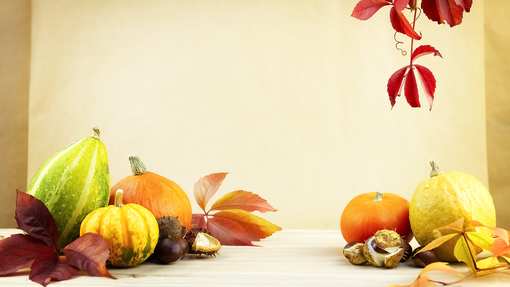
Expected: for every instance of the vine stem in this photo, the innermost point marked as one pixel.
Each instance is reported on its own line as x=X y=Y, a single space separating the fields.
x=470 y=251
x=412 y=40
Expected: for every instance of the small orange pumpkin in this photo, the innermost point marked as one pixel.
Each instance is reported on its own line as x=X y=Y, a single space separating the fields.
x=158 y=194
x=367 y=213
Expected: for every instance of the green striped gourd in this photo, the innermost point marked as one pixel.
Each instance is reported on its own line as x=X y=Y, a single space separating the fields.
x=72 y=183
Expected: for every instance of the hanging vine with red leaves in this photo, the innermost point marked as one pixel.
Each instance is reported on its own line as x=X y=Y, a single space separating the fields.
x=405 y=79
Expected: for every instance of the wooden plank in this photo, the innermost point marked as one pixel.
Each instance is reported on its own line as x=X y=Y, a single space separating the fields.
x=288 y=258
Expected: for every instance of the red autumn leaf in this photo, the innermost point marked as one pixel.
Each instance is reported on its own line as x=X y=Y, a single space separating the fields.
x=400 y=4
x=424 y=50
x=367 y=8
x=257 y=227
x=18 y=252
x=244 y=200
x=198 y=220
x=37 y=249
x=428 y=82
x=228 y=232
x=445 y=10
x=34 y=218
x=48 y=266
x=206 y=187
x=400 y=23
x=395 y=84
x=405 y=78
x=411 y=89
x=89 y=252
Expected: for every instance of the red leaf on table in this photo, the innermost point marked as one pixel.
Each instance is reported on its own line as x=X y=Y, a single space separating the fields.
x=367 y=8
x=198 y=220
x=34 y=218
x=89 y=252
x=257 y=227
x=47 y=266
x=206 y=187
x=244 y=200
x=228 y=232
x=18 y=252
x=400 y=23
x=445 y=10
x=395 y=84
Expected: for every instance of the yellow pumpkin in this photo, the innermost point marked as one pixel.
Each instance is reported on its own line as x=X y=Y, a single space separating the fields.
x=131 y=231
x=444 y=198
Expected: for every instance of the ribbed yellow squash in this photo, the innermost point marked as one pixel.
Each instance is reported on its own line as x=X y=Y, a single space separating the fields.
x=131 y=231
x=443 y=199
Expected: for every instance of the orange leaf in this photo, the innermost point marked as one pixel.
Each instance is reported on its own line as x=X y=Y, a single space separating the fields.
x=228 y=232
x=257 y=227
x=500 y=247
x=440 y=266
x=206 y=187
x=244 y=200
x=457 y=225
x=438 y=241
x=500 y=232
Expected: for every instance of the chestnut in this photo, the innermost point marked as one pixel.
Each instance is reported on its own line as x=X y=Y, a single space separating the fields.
x=408 y=252
x=353 y=251
x=170 y=250
x=424 y=258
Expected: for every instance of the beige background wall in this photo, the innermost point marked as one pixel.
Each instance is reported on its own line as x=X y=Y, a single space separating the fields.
x=14 y=83
x=497 y=82
x=287 y=96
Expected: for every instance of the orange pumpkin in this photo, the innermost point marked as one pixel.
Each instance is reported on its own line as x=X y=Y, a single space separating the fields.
x=367 y=213
x=158 y=194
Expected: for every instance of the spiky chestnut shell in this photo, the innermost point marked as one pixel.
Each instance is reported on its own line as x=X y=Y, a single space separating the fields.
x=384 y=249
x=170 y=227
x=201 y=242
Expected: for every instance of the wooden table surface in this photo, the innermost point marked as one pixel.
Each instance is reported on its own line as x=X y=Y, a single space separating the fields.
x=288 y=258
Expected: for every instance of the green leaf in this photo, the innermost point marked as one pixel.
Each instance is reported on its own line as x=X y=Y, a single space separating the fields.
x=481 y=240
x=464 y=251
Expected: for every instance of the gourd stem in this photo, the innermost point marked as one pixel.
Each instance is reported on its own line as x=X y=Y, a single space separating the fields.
x=137 y=166
x=435 y=169
x=378 y=196
x=119 y=194
x=96 y=132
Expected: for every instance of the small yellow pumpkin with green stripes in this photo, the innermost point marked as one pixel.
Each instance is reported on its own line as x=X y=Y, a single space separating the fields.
x=131 y=231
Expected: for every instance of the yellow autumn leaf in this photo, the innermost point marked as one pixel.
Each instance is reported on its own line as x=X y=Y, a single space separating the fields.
x=438 y=242
x=457 y=225
x=486 y=263
x=464 y=251
x=481 y=240
x=257 y=227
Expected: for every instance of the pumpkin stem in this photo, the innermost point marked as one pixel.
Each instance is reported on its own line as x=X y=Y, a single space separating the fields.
x=96 y=132
x=435 y=169
x=137 y=166
x=378 y=196
x=119 y=194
